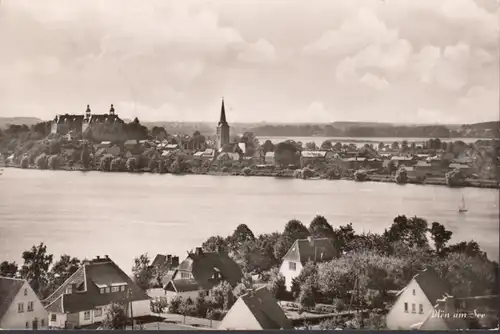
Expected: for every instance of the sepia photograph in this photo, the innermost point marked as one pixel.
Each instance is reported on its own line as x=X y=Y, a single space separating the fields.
x=249 y=165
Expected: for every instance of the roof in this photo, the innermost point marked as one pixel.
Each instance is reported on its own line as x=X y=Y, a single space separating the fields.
x=183 y=285
x=458 y=166
x=432 y=286
x=266 y=310
x=159 y=260
x=131 y=142
x=243 y=147
x=401 y=158
x=317 y=250
x=69 y=118
x=104 y=118
x=354 y=159
x=313 y=154
x=422 y=163
x=203 y=264
x=269 y=154
x=87 y=281
x=9 y=287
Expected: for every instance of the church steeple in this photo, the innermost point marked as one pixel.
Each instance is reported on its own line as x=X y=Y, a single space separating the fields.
x=222 y=114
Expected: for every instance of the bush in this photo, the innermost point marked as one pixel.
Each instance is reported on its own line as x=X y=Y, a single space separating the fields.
x=216 y=314
x=247 y=171
x=455 y=178
x=401 y=176
x=42 y=161
x=332 y=323
x=25 y=162
x=360 y=175
x=332 y=174
x=105 y=164
x=339 y=305
x=131 y=164
x=225 y=169
x=307 y=173
x=116 y=165
x=153 y=165
x=174 y=306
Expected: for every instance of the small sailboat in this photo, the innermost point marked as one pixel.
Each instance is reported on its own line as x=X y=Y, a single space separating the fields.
x=462 y=207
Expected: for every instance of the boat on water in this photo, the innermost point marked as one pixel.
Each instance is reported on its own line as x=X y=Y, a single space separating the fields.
x=462 y=208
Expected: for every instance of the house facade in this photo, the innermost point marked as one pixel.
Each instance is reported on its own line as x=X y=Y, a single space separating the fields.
x=20 y=307
x=256 y=310
x=84 y=298
x=200 y=272
x=416 y=301
x=303 y=251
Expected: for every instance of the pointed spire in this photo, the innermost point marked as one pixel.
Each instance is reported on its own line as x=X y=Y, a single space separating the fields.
x=222 y=113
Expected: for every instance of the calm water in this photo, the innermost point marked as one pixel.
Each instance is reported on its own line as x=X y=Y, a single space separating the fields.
x=125 y=215
x=360 y=141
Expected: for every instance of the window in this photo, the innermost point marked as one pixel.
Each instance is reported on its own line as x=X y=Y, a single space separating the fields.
x=185 y=275
x=25 y=292
x=69 y=290
x=115 y=289
x=406 y=307
x=107 y=290
x=414 y=292
x=43 y=323
x=413 y=310
x=30 y=306
x=420 y=308
x=101 y=290
x=292 y=265
x=98 y=312
x=27 y=324
x=53 y=317
x=122 y=288
x=20 y=308
x=86 y=315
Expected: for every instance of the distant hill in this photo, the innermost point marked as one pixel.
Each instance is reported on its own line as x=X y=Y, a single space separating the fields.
x=6 y=121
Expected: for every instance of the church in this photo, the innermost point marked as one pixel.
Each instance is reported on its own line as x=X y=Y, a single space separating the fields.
x=62 y=124
x=222 y=129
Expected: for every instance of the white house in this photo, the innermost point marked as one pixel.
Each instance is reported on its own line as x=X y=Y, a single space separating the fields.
x=20 y=307
x=256 y=310
x=201 y=271
x=303 y=251
x=416 y=301
x=83 y=299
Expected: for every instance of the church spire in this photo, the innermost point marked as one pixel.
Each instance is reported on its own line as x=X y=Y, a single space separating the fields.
x=222 y=114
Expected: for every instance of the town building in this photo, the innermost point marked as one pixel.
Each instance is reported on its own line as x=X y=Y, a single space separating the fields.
x=20 y=307
x=256 y=310
x=63 y=124
x=84 y=298
x=269 y=158
x=303 y=251
x=314 y=157
x=414 y=302
x=200 y=272
x=222 y=129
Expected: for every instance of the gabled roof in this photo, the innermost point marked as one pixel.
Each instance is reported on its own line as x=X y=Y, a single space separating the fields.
x=203 y=264
x=432 y=286
x=69 y=118
x=87 y=280
x=316 y=250
x=9 y=288
x=266 y=310
x=183 y=285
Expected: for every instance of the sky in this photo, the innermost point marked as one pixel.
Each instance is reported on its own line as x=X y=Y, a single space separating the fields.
x=410 y=61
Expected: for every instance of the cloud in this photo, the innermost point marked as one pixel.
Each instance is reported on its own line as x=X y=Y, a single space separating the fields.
x=260 y=52
x=374 y=82
x=175 y=59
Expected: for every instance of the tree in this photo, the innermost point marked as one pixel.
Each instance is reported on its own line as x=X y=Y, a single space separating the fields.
x=42 y=161
x=326 y=145
x=312 y=146
x=36 y=267
x=277 y=285
x=8 y=269
x=381 y=146
x=412 y=232
x=307 y=296
x=395 y=146
x=142 y=271
x=440 y=236
x=222 y=295
x=268 y=146
x=286 y=153
x=469 y=248
x=153 y=165
x=116 y=317
x=61 y=271
x=337 y=146
x=455 y=178
x=320 y=228
x=85 y=156
x=215 y=243
x=401 y=176
x=241 y=234
x=295 y=229
x=282 y=246
x=53 y=162
x=342 y=237
x=116 y=165
x=158 y=305
x=175 y=305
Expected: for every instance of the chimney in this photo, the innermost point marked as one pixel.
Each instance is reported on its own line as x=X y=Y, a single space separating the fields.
x=98 y=257
x=310 y=239
x=175 y=261
x=73 y=287
x=198 y=251
x=107 y=257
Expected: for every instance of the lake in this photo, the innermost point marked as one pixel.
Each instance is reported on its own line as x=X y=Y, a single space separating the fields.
x=361 y=141
x=124 y=215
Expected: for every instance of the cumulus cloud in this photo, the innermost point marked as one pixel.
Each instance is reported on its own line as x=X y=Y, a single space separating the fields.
x=173 y=60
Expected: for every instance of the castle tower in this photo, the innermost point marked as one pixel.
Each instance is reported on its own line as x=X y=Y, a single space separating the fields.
x=222 y=128
x=87 y=112
x=112 y=110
